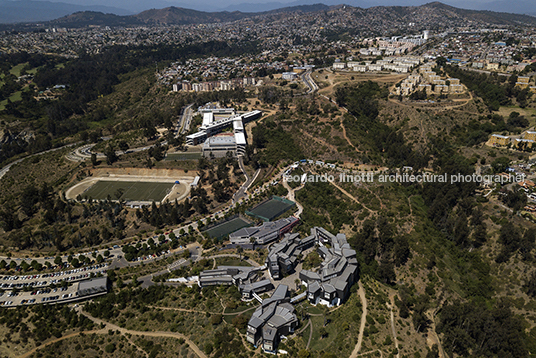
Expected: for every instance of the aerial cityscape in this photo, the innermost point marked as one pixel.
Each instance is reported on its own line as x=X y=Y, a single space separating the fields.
x=309 y=181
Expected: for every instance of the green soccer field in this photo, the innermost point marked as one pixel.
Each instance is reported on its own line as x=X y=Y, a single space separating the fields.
x=129 y=191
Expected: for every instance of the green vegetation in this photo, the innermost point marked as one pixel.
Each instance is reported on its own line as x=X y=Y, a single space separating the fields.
x=275 y=143
x=495 y=90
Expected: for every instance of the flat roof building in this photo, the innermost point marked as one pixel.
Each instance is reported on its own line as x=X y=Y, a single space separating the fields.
x=93 y=286
x=213 y=124
x=265 y=233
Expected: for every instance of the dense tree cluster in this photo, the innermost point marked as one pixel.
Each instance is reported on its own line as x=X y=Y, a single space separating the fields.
x=495 y=90
x=478 y=330
x=153 y=247
x=380 y=249
x=366 y=131
x=513 y=240
x=275 y=143
x=323 y=198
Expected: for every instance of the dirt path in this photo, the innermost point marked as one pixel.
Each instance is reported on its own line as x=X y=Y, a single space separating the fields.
x=124 y=331
x=395 y=339
x=441 y=108
x=363 y=298
x=310 y=334
x=292 y=197
x=342 y=123
x=179 y=309
x=370 y=352
x=433 y=338
x=29 y=353
x=346 y=136
x=350 y=196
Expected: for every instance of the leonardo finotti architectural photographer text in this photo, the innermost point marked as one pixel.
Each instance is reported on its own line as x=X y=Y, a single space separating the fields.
x=405 y=178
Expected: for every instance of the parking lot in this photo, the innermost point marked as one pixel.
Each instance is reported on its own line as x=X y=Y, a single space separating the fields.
x=42 y=280
x=43 y=295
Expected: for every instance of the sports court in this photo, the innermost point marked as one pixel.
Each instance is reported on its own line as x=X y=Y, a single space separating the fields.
x=224 y=229
x=271 y=209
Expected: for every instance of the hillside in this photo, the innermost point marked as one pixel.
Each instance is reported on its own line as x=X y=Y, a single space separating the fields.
x=430 y=15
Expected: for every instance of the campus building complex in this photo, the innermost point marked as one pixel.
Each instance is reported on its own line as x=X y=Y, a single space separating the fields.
x=274 y=317
x=283 y=256
x=265 y=233
x=228 y=275
x=330 y=285
x=214 y=122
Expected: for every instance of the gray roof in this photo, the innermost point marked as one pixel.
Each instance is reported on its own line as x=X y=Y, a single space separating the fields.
x=329 y=288
x=268 y=333
x=313 y=287
x=280 y=292
x=257 y=286
x=310 y=275
x=94 y=285
x=283 y=315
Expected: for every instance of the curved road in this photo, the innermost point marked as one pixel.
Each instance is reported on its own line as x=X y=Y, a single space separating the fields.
x=5 y=169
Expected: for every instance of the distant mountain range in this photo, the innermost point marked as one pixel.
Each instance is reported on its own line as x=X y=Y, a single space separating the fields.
x=182 y=16
x=527 y=7
x=36 y=11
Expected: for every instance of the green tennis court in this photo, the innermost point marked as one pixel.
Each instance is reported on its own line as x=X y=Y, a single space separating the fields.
x=227 y=227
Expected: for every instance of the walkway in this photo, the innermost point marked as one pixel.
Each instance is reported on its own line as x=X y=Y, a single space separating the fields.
x=125 y=331
x=363 y=298
x=391 y=306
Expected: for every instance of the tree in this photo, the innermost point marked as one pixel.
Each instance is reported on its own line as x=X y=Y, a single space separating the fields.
x=216 y=319
x=240 y=250
x=304 y=353
x=401 y=250
x=58 y=260
x=325 y=313
x=29 y=199
x=111 y=157
x=123 y=145
x=94 y=161
x=500 y=164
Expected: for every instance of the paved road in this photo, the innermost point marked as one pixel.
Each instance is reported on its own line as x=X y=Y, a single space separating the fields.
x=306 y=78
x=185 y=120
x=242 y=192
x=5 y=169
